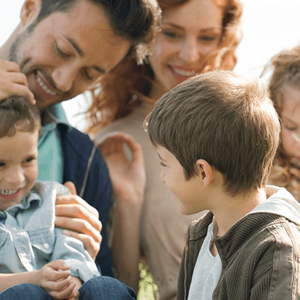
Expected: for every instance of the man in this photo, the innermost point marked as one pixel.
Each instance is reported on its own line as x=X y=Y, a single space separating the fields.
x=56 y=52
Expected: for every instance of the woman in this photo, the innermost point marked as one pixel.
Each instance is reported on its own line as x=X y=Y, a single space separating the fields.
x=285 y=92
x=196 y=36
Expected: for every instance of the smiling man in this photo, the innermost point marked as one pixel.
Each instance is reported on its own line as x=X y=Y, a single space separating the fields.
x=56 y=52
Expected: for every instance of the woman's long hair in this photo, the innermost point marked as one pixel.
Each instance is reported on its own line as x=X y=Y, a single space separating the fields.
x=286 y=72
x=115 y=95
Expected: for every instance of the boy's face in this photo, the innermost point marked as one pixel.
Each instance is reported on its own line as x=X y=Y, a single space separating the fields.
x=187 y=194
x=18 y=166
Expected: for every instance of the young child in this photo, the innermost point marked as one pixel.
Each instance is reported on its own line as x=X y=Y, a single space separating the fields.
x=285 y=93
x=32 y=250
x=216 y=135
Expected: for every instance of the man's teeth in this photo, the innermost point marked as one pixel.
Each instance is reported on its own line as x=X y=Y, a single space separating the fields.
x=184 y=73
x=44 y=87
x=8 y=192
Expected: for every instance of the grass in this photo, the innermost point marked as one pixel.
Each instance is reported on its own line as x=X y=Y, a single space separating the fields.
x=147 y=287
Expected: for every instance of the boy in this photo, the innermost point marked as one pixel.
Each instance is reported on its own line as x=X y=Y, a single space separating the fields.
x=216 y=135
x=32 y=250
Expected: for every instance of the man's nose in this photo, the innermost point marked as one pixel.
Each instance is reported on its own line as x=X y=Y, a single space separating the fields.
x=64 y=77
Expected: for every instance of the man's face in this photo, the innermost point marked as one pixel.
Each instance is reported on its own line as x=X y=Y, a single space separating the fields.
x=66 y=52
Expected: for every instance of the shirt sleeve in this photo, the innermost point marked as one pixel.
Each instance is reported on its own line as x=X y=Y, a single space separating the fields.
x=72 y=251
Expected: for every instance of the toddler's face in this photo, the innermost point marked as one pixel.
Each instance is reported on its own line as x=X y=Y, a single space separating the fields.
x=290 y=116
x=18 y=166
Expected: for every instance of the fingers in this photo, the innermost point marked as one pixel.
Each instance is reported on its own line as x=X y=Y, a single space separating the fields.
x=68 y=291
x=71 y=186
x=12 y=81
x=9 y=66
x=76 y=211
x=136 y=149
x=80 y=226
x=81 y=221
x=80 y=207
x=90 y=244
x=56 y=280
x=114 y=142
x=58 y=264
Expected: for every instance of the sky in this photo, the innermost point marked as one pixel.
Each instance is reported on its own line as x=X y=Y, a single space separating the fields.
x=269 y=26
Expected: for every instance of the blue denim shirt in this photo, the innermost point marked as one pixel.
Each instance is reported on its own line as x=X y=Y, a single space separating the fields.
x=29 y=239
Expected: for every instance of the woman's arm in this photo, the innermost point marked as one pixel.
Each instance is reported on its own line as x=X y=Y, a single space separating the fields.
x=128 y=181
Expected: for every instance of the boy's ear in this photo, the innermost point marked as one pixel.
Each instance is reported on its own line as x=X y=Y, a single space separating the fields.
x=30 y=11
x=206 y=172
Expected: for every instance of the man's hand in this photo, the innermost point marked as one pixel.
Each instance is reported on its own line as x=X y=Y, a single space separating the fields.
x=54 y=278
x=80 y=219
x=12 y=81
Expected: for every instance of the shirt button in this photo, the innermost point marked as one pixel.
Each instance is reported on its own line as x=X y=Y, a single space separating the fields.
x=46 y=246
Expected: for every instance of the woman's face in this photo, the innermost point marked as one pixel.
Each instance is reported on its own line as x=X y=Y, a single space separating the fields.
x=290 y=131
x=188 y=33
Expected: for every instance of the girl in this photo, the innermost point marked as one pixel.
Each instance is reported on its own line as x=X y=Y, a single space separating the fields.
x=196 y=36
x=285 y=92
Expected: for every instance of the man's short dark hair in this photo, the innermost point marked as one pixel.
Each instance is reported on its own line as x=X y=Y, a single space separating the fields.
x=17 y=113
x=134 y=20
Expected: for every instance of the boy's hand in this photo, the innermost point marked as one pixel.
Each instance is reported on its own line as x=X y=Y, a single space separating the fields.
x=80 y=219
x=54 y=278
x=128 y=176
x=12 y=81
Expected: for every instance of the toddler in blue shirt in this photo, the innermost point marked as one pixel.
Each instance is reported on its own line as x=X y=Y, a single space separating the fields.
x=32 y=250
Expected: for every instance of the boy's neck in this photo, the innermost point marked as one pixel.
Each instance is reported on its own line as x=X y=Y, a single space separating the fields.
x=231 y=209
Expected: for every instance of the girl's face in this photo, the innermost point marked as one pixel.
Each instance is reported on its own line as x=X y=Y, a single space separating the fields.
x=290 y=117
x=188 y=33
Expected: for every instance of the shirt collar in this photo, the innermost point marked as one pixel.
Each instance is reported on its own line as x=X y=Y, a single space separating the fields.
x=24 y=204
x=55 y=115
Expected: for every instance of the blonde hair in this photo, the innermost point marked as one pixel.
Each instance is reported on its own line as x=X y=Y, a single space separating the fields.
x=286 y=72
x=115 y=95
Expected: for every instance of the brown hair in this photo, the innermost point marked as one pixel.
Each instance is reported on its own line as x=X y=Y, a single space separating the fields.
x=16 y=113
x=224 y=118
x=134 y=20
x=115 y=95
x=286 y=72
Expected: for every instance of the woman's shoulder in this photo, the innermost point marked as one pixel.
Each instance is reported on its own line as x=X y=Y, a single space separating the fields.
x=131 y=124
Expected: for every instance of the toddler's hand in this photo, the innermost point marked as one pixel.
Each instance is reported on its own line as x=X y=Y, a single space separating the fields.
x=54 y=278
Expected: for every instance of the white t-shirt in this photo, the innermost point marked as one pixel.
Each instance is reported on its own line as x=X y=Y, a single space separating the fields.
x=206 y=272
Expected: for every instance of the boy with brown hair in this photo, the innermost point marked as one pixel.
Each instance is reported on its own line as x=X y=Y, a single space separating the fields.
x=216 y=135
x=37 y=261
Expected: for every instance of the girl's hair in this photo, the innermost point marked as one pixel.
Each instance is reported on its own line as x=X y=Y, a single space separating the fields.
x=286 y=72
x=115 y=95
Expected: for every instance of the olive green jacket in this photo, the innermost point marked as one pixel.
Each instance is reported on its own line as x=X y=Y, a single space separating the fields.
x=260 y=256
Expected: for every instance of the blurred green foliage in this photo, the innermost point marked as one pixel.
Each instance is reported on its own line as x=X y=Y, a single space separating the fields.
x=147 y=287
